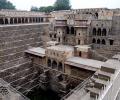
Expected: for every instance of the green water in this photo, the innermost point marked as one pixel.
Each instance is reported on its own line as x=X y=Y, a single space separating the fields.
x=43 y=95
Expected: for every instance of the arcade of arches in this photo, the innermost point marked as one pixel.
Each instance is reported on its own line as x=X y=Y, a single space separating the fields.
x=70 y=30
x=21 y=20
x=98 y=41
x=55 y=65
x=99 y=32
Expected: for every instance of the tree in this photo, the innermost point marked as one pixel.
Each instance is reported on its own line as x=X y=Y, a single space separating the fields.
x=62 y=5
x=46 y=9
x=58 y=5
x=4 y=4
x=34 y=8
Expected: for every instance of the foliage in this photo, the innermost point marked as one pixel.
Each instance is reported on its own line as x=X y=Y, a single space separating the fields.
x=46 y=9
x=62 y=5
x=58 y=5
x=4 y=4
x=34 y=8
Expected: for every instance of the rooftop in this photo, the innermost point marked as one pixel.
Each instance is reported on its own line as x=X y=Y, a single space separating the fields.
x=83 y=47
x=112 y=63
x=38 y=51
x=16 y=13
x=89 y=64
x=63 y=48
x=52 y=43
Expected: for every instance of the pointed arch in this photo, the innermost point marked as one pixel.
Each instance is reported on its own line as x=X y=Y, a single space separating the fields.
x=98 y=41
x=94 y=40
x=103 y=42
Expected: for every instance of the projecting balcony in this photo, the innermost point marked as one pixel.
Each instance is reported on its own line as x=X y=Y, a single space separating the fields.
x=83 y=24
x=61 y=23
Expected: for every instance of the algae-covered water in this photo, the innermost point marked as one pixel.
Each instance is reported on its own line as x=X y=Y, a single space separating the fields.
x=43 y=95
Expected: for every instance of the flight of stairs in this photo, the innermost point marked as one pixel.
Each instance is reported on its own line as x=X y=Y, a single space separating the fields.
x=100 y=80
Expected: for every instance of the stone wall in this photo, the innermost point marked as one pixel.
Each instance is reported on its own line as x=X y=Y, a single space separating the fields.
x=15 y=68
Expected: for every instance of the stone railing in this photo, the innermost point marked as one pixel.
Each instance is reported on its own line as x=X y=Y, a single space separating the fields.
x=81 y=23
x=61 y=23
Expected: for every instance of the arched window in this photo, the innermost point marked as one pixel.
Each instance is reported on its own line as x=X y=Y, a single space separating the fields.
x=111 y=42
x=19 y=20
x=60 y=66
x=104 y=32
x=30 y=20
x=103 y=42
x=98 y=41
x=93 y=41
x=72 y=30
x=96 y=14
x=54 y=64
x=11 y=20
x=41 y=19
x=23 y=20
x=59 y=39
x=80 y=54
x=94 y=31
x=15 y=20
x=6 y=21
x=49 y=63
x=67 y=30
x=34 y=20
x=1 y=21
x=99 y=32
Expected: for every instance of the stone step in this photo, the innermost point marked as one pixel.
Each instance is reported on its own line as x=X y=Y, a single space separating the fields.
x=106 y=69
x=94 y=92
x=97 y=80
x=104 y=73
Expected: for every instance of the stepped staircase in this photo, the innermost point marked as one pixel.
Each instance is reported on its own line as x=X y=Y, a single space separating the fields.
x=100 y=80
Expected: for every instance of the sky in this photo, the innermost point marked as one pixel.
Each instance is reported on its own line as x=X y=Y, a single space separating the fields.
x=76 y=4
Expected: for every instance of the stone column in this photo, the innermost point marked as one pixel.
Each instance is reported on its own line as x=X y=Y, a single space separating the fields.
x=8 y=20
x=3 y=20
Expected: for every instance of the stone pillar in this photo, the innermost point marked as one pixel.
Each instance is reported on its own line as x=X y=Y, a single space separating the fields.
x=28 y=20
x=21 y=20
x=8 y=20
x=17 y=20
x=3 y=20
x=13 y=20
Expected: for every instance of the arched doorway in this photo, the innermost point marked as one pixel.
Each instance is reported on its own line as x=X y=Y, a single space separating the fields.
x=1 y=21
x=94 y=31
x=54 y=65
x=30 y=20
x=67 y=30
x=19 y=20
x=6 y=21
x=11 y=20
x=15 y=20
x=72 y=30
x=93 y=41
x=49 y=63
x=103 y=42
x=80 y=53
x=98 y=41
x=99 y=32
x=60 y=66
x=96 y=14
x=41 y=19
x=104 y=32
